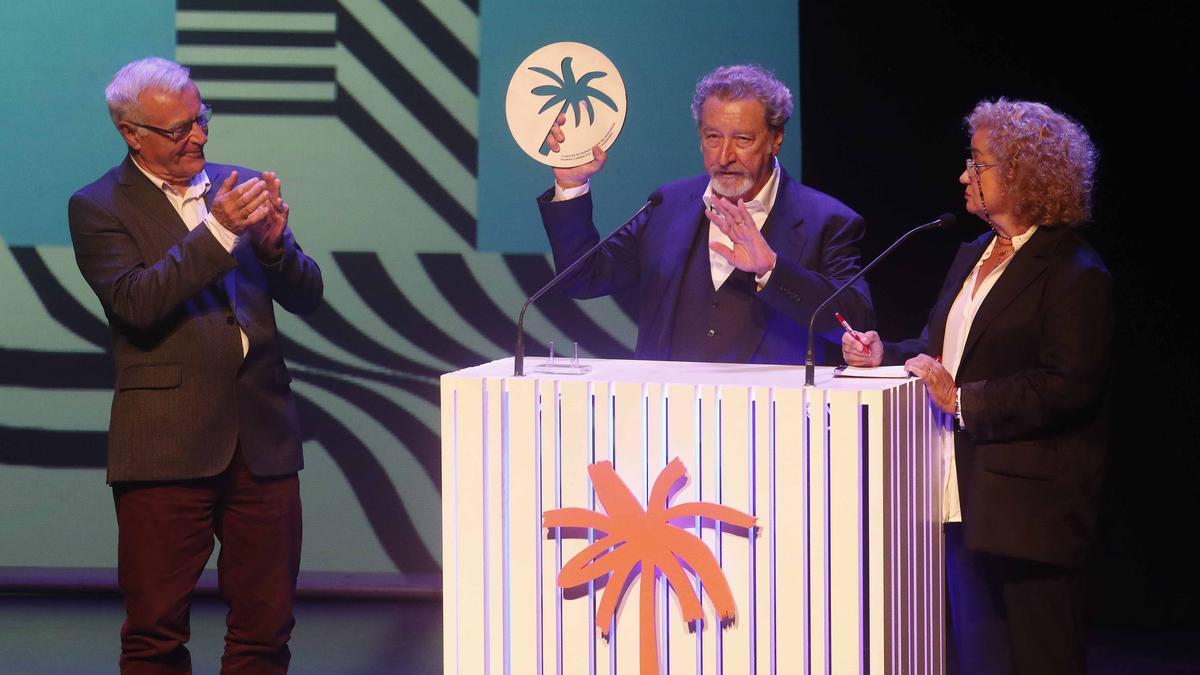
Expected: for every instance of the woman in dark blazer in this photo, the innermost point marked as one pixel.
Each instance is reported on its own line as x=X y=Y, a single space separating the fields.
x=1016 y=356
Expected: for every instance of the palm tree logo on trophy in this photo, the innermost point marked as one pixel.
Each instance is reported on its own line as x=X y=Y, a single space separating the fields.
x=572 y=93
x=545 y=86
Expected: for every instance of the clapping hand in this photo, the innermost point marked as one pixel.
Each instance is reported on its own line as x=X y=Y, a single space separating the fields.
x=268 y=234
x=239 y=208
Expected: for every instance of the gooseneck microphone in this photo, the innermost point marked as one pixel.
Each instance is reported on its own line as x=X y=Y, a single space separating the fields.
x=653 y=200
x=945 y=220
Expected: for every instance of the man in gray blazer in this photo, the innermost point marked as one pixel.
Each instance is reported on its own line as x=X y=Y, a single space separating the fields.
x=187 y=259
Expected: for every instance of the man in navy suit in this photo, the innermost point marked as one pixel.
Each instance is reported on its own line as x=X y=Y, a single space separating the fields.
x=204 y=440
x=731 y=264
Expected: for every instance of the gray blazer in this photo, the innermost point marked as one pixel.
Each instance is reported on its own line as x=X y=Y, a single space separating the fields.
x=184 y=395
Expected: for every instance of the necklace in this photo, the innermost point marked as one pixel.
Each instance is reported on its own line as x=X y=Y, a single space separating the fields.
x=1000 y=234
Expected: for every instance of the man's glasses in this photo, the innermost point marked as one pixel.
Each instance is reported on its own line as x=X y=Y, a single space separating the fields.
x=181 y=132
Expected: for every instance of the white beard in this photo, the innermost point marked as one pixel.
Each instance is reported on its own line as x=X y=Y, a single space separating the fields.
x=730 y=187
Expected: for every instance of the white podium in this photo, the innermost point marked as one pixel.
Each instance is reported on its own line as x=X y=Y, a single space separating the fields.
x=843 y=574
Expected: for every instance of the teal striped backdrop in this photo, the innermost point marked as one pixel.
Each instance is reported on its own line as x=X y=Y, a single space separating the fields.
x=384 y=119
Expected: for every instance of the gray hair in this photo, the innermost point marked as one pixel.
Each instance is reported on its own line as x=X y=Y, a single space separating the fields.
x=738 y=82
x=130 y=81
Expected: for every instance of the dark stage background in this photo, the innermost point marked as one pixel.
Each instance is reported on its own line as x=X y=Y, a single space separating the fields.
x=883 y=93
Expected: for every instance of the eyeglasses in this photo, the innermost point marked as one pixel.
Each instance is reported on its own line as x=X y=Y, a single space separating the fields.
x=979 y=167
x=181 y=132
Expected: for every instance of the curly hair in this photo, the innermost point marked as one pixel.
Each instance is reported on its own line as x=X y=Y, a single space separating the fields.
x=734 y=83
x=1047 y=161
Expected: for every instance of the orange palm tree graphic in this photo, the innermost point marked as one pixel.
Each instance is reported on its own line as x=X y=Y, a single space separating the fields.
x=646 y=536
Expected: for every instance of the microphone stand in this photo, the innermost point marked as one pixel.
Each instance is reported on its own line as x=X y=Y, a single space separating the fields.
x=946 y=220
x=519 y=350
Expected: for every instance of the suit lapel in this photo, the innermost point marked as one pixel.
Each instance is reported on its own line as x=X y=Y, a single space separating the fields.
x=783 y=227
x=675 y=236
x=960 y=269
x=152 y=205
x=1028 y=264
x=788 y=237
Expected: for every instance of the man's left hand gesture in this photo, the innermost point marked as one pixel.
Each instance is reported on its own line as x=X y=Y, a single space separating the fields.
x=267 y=234
x=938 y=381
x=750 y=252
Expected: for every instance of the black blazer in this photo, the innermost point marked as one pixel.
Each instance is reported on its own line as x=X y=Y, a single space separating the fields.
x=1034 y=376
x=184 y=395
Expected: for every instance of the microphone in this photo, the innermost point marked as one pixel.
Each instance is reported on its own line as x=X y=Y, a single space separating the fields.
x=653 y=200
x=946 y=220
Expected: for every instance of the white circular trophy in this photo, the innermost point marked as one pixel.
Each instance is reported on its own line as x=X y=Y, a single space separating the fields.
x=571 y=79
x=580 y=83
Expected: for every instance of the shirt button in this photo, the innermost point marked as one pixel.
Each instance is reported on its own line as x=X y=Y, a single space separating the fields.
x=230 y=320
x=714 y=304
x=712 y=332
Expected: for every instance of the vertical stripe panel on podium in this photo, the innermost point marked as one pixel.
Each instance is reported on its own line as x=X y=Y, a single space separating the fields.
x=788 y=539
x=761 y=472
x=734 y=475
x=817 y=457
x=908 y=549
x=602 y=450
x=574 y=455
x=875 y=453
x=683 y=441
x=706 y=475
x=890 y=453
x=449 y=526
x=656 y=461
x=924 y=517
x=522 y=526
x=549 y=617
x=495 y=430
x=935 y=470
x=629 y=446
x=467 y=490
x=846 y=579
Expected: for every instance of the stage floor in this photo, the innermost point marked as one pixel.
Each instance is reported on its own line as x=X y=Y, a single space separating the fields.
x=77 y=635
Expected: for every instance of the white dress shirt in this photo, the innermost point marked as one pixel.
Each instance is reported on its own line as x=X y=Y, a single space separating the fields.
x=958 y=327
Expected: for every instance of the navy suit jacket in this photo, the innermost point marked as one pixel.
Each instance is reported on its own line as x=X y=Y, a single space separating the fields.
x=1034 y=376
x=184 y=395
x=814 y=236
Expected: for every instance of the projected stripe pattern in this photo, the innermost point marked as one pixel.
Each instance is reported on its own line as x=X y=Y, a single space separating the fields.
x=331 y=355
x=845 y=575
x=399 y=73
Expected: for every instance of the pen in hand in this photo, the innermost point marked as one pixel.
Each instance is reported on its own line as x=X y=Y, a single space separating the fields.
x=853 y=333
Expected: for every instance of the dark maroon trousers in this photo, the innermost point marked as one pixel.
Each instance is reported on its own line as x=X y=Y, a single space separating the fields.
x=166 y=536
